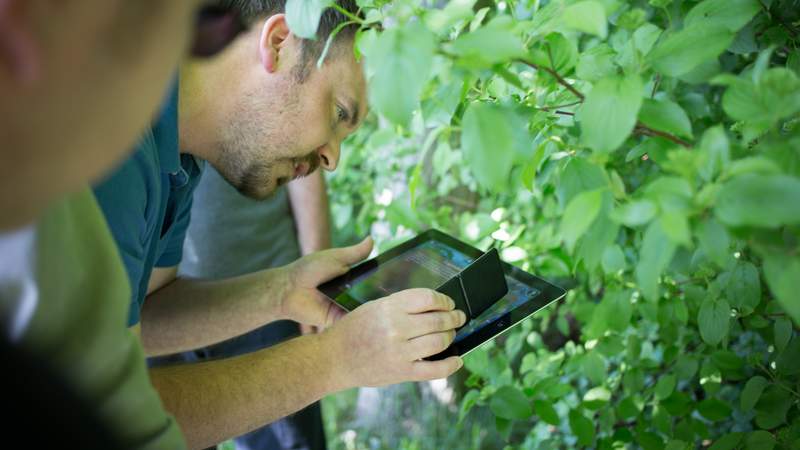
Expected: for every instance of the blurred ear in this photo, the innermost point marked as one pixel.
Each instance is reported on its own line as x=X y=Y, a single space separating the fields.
x=273 y=40
x=20 y=54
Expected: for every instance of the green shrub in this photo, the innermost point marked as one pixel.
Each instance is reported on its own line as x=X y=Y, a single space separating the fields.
x=645 y=155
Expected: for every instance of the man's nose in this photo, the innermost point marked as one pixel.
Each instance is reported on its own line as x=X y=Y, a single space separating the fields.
x=329 y=155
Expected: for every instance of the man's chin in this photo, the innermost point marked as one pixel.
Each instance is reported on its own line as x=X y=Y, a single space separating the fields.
x=262 y=192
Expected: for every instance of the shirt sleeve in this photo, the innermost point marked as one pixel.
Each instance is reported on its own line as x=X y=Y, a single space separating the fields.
x=124 y=199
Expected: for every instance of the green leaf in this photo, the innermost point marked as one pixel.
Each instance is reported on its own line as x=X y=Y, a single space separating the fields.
x=664 y=115
x=613 y=260
x=655 y=256
x=744 y=287
x=400 y=60
x=579 y=175
x=727 y=361
x=788 y=362
x=581 y=427
x=782 y=273
x=608 y=115
x=599 y=236
x=727 y=442
x=731 y=14
x=677 y=404
x=470 y=398
x=587 y=16
x=782 y=332
x=579 y=215
x=759 y=201
x=557 y=53
x=715 y=241
x=595 y=367
x=440 y=20
x=752 y=392
x=488 y=46
x=596 y=398
x=772 y=407
x=715 y=149
x=665 y=386
x=775 y=95
x=596 y=63
x=546 y=412
x=681 y=52
x=714 y=320
x=676 y=226
x=303 y=16
x=510 y=403
x=760 y=440
x=714 y=410
x=504 y=427
x=636 y=213
x=678 y=445
x=489 y=143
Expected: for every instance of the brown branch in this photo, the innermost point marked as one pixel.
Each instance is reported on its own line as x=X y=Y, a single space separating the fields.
x=555 y=75
x=567 y=105
x=647 y=131
x=655 y=85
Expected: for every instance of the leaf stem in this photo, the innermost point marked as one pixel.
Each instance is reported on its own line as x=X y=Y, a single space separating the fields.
x=347 y=13
x=647 y=131
x=555 y=75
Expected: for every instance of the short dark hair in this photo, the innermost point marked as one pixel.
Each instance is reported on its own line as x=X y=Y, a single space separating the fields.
x=252 y=11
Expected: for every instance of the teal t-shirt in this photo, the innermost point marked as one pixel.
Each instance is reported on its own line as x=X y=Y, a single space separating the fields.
x=68 y=303
x=147 y=202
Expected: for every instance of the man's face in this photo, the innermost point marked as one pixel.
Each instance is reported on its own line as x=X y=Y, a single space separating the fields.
x=78 y=83
x=282 y=127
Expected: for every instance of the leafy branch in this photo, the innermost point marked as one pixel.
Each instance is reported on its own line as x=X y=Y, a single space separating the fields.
x=640 y=127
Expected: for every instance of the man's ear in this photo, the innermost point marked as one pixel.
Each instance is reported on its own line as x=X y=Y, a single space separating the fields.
x=20 y=53
x=274 y=36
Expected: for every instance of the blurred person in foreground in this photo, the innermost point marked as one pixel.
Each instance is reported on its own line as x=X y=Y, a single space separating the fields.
x=78 y=83
x=261 y=113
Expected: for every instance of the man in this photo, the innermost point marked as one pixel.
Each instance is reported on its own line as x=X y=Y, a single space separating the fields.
x=231 y=235
x=261 y=113
x=63 y=289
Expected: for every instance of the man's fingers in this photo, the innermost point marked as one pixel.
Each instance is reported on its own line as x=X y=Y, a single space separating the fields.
x=432 y=370
x=424 y=300
x=435 y=322
x=430 y=344
x=355 y=253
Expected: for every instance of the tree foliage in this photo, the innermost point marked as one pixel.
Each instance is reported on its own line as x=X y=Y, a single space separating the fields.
x=644 y=154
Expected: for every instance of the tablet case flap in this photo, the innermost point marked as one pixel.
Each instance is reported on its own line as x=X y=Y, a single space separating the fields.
x=478 y=286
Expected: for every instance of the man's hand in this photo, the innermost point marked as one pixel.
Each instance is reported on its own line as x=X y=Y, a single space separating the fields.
x=303 y=303
x=383 y=341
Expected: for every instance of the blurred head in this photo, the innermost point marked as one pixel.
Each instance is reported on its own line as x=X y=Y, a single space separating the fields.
x=262 y=112
x=79 y=80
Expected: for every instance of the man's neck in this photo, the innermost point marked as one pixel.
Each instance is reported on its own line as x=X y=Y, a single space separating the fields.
x=197 y=123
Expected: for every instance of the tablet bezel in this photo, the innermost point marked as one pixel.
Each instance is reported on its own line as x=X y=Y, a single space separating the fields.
x=549 y=293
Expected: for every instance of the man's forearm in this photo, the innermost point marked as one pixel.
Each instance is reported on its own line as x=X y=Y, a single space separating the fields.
x=188 y=313
x=217 y=400
x=308 y=199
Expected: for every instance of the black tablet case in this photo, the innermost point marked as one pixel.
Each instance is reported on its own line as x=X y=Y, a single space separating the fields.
x=478 y=286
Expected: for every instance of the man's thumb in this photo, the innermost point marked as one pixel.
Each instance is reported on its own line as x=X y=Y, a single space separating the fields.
x=355 y=253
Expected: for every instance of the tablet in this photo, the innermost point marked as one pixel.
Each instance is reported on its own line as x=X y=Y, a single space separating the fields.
x=430 y=259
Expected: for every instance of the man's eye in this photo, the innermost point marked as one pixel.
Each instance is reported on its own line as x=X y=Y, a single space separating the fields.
x=341 y=114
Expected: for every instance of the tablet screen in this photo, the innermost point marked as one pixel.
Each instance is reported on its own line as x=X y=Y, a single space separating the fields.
x=428 y=265
x=427 y=261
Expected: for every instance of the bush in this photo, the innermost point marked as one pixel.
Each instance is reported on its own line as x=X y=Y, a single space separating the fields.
x=645 y=155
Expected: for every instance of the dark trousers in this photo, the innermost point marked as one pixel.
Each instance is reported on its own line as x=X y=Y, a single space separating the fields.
x=300 y=431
